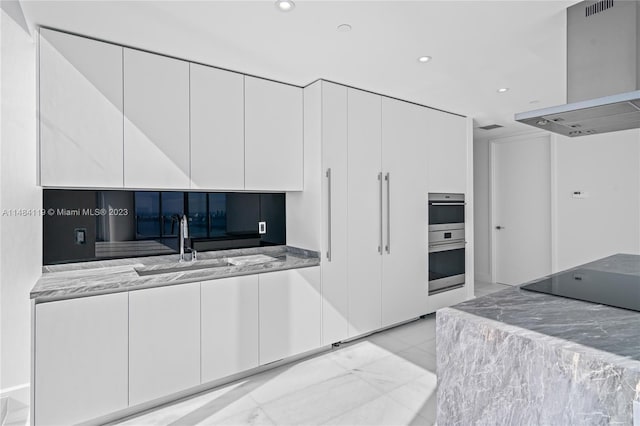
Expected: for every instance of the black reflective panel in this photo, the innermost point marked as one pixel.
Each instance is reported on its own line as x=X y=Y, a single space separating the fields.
x=443 y=214
x=146 y=223
x=197 y=214
x=445 y=264
x=172 y=210
x=607 y=288
x=147 y=215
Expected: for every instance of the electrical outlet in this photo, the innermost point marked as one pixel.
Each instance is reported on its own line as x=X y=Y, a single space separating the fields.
x=262 y=228
x=80 y=235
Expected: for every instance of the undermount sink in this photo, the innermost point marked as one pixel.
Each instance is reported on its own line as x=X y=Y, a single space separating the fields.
x=254 y=259
x=182 y=267
x=251 y=259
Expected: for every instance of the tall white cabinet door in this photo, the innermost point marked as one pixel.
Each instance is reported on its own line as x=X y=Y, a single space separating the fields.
x=156 y=125
x=80 y=359
x=364 y=230
x=335 y=295
x=164 y=341
x=273 y=136
x=217 y=128
x=405 y=261
x=289 y=313
x=447 y=152
x=80 y=111
x=229 y=326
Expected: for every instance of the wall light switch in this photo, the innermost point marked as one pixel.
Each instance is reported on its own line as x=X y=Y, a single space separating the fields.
x=80 y=235
x=262 y=228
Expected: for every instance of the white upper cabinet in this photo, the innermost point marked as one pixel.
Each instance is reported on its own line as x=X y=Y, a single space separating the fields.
x=217 y=128
x=156 y=121
x=80 y=111
x=447 y=152
x=273 y=136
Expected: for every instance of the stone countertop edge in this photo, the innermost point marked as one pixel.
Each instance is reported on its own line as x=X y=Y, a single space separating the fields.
x=539 y=338
x=73 y=280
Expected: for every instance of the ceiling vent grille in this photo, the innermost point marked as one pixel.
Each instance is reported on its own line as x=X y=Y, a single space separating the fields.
x=598 y=7
x=490 y=127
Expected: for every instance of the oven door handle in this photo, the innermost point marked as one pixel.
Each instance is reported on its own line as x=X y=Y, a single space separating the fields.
x=435 y=248
x=447 y=204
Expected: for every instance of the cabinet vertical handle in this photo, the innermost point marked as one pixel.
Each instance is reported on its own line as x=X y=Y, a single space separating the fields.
x=380 y=239
x=388 y=246
x=328 y=214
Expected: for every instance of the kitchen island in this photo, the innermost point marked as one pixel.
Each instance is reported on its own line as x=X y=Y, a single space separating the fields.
x=521 y=357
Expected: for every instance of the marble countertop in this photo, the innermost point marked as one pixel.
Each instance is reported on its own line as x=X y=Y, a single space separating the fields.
x=609 y=333
x=110 y=276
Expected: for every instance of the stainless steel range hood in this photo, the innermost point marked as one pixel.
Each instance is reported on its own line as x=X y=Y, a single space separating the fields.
x=603 y=71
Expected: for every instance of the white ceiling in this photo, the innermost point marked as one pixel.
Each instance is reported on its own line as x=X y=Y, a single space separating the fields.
x=477 y=46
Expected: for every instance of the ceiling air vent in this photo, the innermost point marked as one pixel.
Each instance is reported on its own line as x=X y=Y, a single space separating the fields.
x=490 y=127
x=598 y=7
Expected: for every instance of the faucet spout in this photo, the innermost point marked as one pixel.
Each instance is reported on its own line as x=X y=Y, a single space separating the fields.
x=184 y=234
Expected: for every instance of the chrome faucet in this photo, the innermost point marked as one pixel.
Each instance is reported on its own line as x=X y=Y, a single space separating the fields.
x=183 y=235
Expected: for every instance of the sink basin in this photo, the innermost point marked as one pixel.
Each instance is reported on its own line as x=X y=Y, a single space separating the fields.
x=182 y=267
x=252 y=259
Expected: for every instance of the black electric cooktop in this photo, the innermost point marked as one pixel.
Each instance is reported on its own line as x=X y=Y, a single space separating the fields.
x=606 y=288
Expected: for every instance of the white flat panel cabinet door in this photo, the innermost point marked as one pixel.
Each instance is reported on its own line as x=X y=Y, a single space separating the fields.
x=364 y=230
x=335 y=294
x=156 y=125
x=273 y=136
x=404 y=263
x=289 y=313
x=80 y=359
x=164 y=341
x=80 y=111
x=447 y=153
x=229 y=326
x=217 y=128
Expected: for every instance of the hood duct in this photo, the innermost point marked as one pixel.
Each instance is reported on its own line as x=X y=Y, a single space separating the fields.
x=603 y=71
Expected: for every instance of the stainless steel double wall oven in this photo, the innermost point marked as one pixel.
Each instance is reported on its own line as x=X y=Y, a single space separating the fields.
x=446 y=242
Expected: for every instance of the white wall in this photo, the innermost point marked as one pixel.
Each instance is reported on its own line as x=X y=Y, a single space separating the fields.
x=20 y=236
x=607 y=167
x=481 y=194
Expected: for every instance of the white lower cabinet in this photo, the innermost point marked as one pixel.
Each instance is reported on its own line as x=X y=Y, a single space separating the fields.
x=80 y=359
x=290 y=319
x=229 y=326
x=164 y=341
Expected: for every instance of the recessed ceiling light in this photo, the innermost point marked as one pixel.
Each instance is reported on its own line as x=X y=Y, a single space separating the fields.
x=343 y=28
x=424 y=59
x=503 y=89
x=285 y=5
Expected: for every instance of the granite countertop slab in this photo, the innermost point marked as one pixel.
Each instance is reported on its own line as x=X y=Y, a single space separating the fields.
x=72 y=280
x=584 y=327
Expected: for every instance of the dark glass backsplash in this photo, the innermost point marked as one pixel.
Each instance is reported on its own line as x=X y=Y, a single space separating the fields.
x=82 y=225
